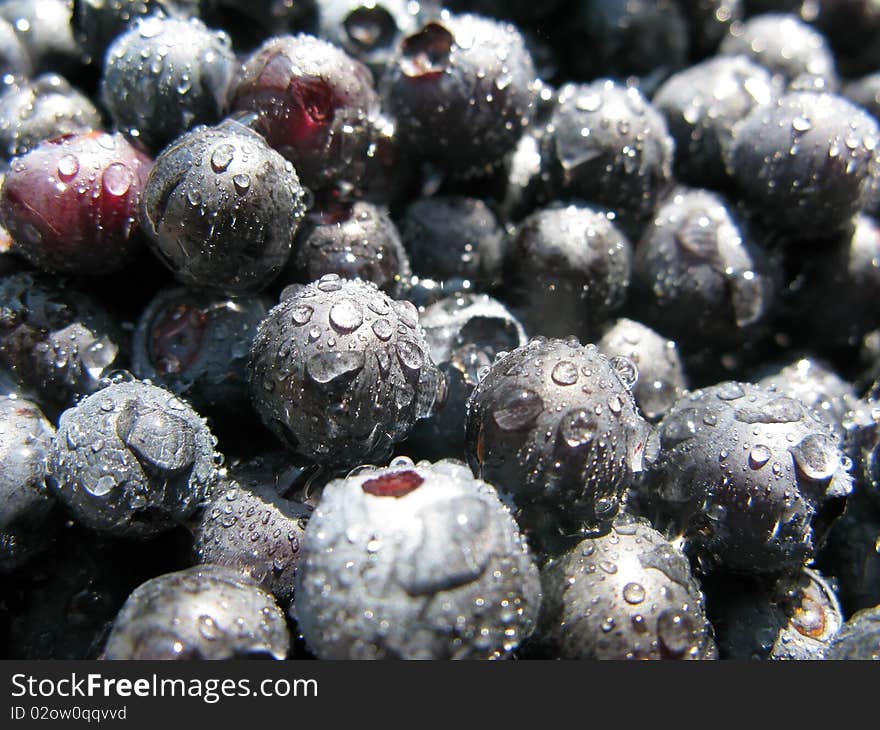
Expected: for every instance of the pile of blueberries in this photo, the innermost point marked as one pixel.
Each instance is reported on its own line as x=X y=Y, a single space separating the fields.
x=393 y=329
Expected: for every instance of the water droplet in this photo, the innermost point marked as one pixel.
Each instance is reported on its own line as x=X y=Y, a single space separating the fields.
x=104 y=485
x=242 y=183
x=117 y=179
x=759 y=456
x=68 y=166
x=565 y=373
x=519 y=410
x=222 y=157
x=674 y=631
x=816 y=457
x=382 y=329
x=208 y=628
x=410 y=355
x=626 y=370
x=301 y=314
x=326 y=367
x=633 y=593
x=346 y=316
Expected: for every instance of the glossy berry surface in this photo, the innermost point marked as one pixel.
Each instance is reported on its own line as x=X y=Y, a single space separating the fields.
x=131 y=460
x=627 y=594
x=71 y=204
x=555 y=425
x=340 y=371
x=164 y=76
x=469 y=555
x=221 y=208
x=315 y=105
x=462 y=89
x=203 y=612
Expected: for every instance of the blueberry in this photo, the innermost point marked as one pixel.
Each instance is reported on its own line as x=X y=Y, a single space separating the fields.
x=465 y=333
x=786 y=46
x=620 y=39
x=164 y=76
x=197 y=346
x=44 y=27
x=26 y=512
x=203 y=612
x=851 y=28
x=817 y=386
x=568 y=270
x=340 y=371
x=15 y=61
x=850 y=554
x=71 y=203
x=791 y=618
x=829 y=300
x=131 y=460
x=805 y=163
x=97 y=23
x=865 y=92
x=462 y=89
x=626 y=594
x=221 y=208
x=858 y=639
x=315 y=104
x=702 y=104
x=610 y=147
x=696 y=269
x=742 y=472
x=38 y=110
x=355 y=241
x=415 y=562
x=554 y=424
x=55 y=339
x=367 y=30
x=661 y=374
x=454 y=237
x=253 y=530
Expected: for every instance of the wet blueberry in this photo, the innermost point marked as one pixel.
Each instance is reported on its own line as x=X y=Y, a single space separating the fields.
x=858 y=639
x=340 y=371
x=131 y=460
x=394 y=558
x=221 y=209
x=71 y=204
x=203 y=612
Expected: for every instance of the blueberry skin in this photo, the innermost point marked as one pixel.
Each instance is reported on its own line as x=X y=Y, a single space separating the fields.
x=339 y=372
x=97 y=23
x=786 y=46
x=626 y=594
x=462 y=89
x=44 y=27
x=850 y=555
x=858 y=639
x=830 y=301
x=253 y=530
x=696 y=269
x=465 y=333
x=661 y=373
x=702 y=104
x=315 y=105
x=851 y=28
x=201 y=613
x=197 y=346
x=164 y=76
x=131 y=460
x=453 y=237
x=25 y=438
x=817 y=386
x=368 y=31
x=354 y=241
x=806 y=163
x=624 y=38
x=568 y=271
x=793 y=618
x=740 y=475
x=623 y=162
x=15 y=60
x=55 y=339
x=38 y=110
x=221 y=209
x=394 y=557
x=555 y=426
